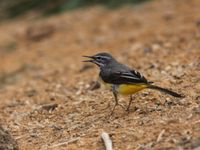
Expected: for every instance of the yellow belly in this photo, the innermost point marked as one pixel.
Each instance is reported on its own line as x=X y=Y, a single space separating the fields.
x=125 y=89
x=128 y=89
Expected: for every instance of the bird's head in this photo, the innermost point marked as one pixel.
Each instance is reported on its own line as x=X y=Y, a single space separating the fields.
x=100 y=59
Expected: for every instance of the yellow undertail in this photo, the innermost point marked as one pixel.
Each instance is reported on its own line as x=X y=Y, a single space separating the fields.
x=128 y=89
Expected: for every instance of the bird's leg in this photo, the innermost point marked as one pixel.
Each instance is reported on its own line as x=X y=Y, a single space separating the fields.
x=116 y=102
x=131 y=99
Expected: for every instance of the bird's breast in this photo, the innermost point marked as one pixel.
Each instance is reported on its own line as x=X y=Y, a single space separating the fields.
x=107 y=85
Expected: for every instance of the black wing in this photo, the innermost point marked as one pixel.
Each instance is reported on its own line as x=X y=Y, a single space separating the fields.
x=126 y=77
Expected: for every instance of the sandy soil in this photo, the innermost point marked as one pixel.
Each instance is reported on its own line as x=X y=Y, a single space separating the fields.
x=47 y=100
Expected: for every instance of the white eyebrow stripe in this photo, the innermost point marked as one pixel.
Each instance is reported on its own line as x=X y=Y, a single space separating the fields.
x=104 y=57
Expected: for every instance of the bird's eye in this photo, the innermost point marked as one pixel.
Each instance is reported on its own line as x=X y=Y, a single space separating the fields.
x=99 y=58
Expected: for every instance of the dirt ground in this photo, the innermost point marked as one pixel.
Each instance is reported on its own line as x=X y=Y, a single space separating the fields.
x=46 y=94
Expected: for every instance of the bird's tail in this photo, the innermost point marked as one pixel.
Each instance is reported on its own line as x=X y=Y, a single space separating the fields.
x=165 y=90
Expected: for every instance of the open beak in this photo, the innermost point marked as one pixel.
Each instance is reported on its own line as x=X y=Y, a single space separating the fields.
x=92 y=59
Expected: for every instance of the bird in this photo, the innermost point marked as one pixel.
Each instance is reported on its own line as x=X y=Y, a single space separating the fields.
x=121 y=79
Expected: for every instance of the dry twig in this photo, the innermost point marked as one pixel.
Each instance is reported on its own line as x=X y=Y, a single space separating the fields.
x=65 y=143
x=107 y=141
x=160 y=136
x=49 y=107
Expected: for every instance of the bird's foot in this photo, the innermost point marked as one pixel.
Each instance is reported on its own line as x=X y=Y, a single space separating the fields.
x=128 y=109
x=117 y=104
x=122 y=106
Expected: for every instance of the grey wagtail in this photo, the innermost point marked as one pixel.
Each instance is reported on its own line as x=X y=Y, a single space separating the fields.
x=121 y=79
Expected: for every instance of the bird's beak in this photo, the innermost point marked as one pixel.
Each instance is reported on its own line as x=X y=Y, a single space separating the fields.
x=92 y=59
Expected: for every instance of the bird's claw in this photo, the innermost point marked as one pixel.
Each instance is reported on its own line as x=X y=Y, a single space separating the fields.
x=117 y=104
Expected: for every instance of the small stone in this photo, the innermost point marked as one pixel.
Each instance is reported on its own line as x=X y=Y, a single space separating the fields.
x=94 y=85
x=178 y=73
x=31 y=93
x=156 y=47
x=198 y=23
x=147 y=50
x=168 y=68
x=169 y=15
